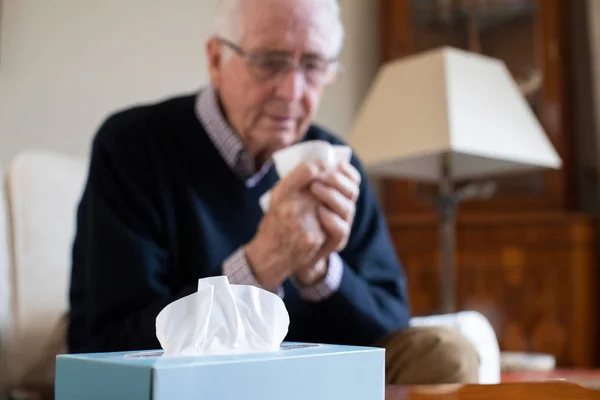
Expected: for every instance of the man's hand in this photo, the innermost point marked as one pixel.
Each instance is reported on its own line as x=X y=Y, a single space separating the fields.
x=290 y=233
x=337 y=191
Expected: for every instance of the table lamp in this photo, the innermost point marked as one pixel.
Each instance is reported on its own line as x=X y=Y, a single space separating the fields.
x=443 y=116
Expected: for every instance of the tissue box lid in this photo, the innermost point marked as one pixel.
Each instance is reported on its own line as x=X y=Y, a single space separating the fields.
x=297 y=371
x=153 y=359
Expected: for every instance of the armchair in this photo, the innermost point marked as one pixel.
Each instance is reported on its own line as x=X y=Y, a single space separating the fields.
x=42 y=193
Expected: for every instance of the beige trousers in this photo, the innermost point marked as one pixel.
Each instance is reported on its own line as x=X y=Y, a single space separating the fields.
x=429 y=355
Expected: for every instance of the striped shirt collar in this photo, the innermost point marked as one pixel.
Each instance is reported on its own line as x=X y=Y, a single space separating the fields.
x=228 y=143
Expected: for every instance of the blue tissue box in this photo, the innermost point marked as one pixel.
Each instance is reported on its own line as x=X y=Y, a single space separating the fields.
x=296 y=372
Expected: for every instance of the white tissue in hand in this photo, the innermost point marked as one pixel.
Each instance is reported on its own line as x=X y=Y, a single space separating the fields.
x=313 y=150
x=287 y=159
x=221 y=318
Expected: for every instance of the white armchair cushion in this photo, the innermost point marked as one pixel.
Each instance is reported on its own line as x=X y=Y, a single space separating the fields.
x=43 y=192
x=475 y=327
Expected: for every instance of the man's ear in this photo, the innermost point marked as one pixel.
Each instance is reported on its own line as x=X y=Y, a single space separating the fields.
x=214 y=56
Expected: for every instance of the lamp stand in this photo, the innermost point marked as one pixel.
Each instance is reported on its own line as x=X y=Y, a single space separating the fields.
x=446 y=205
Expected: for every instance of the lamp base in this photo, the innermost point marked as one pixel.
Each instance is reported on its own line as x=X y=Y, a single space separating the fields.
x=446 y=205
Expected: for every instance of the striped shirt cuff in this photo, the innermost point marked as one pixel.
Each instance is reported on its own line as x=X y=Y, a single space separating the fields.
x=329 y=285
x=237 y=269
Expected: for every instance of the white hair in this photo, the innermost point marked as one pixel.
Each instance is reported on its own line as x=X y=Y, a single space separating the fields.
x=229 y=21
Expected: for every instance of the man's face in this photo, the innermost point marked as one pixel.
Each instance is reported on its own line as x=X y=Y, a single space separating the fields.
x=271 y=106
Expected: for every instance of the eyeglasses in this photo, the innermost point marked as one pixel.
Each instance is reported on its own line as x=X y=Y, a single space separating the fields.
x=267 y=65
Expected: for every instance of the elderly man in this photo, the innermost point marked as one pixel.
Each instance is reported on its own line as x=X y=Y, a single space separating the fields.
x=173 y=196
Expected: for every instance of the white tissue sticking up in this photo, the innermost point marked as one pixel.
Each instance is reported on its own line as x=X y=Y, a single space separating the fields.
x=221 y=318
x=313 y=150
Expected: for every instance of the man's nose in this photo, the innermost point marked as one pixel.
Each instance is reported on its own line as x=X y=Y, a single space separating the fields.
x=291 y=85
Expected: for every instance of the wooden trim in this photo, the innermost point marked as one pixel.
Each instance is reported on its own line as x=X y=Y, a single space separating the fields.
x=497 y=219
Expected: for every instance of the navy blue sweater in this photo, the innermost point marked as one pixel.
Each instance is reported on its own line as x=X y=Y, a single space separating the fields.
x=162 y=209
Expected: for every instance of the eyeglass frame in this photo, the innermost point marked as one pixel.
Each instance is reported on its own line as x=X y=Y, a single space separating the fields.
x=247 y=56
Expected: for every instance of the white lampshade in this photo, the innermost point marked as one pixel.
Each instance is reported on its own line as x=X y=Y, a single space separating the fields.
x=448 y=101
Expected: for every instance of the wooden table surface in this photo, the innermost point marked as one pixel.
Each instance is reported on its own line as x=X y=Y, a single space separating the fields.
x=527 y=391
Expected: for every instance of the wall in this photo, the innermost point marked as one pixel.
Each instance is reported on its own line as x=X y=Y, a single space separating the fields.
x=65 y=64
